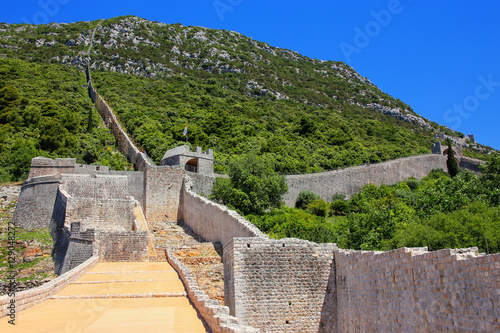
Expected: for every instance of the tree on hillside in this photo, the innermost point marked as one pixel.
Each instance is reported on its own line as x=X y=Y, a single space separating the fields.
x=305 y=198
x=253 y=186
x=451 y=162
x=490 y=178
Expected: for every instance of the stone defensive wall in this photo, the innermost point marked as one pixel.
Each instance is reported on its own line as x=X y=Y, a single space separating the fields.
x=216 y=316
x=32 y=297
x=214 y=222
x=351 y=180
x=472 y=164
x=98 y=202
x=162 y=193
x=93 y=215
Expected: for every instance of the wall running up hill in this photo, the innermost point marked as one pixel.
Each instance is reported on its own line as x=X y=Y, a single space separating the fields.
x=139 y=159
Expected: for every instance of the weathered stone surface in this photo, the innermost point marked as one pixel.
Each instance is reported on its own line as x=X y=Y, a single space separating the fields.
x=277 y=285
x=351 y=180
x=214 y=222
x=162 y=191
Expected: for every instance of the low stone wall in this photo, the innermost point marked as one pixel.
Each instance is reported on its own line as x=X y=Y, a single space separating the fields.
x=277 y=285
x=36 y=202
x=351 y=180
x=214 y=314
x=214 y=222
x=31 y=297
x=408 y=290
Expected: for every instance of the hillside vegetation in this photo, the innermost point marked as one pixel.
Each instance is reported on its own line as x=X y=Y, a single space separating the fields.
x=237 y=95
x=44 y=111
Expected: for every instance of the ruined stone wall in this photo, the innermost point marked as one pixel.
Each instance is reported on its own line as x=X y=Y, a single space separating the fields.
x=162 y=191
x=277 y=285
x=36 y=202
x=123 y=246
x=214 y=222
x=416 y=291
x=351 y=180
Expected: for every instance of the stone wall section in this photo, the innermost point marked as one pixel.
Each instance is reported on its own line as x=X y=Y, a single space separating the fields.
x=471 y=164
x=96 y=186
x=79 y=249
x=214 y=222
x=101 y=214
x=162 y=192
x=42 y=166
x=410 y=290
x=277 y=285
x=203 y=184
x=36 y=202
x=351 y=180
x=31 y=297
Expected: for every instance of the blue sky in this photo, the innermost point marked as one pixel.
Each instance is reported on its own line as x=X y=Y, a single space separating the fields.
x=440 y=57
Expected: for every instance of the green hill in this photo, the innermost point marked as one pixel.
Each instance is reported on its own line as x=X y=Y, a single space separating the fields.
x=235 y=94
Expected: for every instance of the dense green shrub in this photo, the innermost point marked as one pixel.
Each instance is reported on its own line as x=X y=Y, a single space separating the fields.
x=305 y=198
x=253 y=186
x=318 y=207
